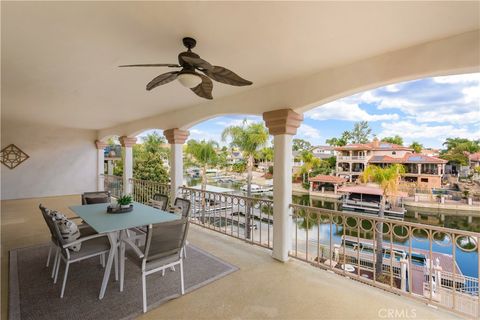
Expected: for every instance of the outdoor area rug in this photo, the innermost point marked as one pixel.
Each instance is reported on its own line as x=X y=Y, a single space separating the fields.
x=32 y=294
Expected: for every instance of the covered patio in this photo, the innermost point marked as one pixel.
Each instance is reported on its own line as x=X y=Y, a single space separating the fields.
x=64 y=97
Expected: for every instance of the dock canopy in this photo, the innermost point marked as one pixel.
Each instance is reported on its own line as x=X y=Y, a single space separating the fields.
x=327 y=179
x=367 y=190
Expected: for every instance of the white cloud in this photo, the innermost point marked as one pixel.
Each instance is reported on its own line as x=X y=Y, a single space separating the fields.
x=410 y=130
x=392 y=88
x=204 y=135
x=345 y=110
x=460 y=78
x=308 y=131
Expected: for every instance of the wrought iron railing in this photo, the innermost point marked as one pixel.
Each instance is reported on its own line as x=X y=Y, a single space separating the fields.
x=246 y=218
x=418 y=260
x=143 y=190
x=114 y=184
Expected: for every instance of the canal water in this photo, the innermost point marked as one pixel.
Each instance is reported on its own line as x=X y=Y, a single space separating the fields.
x=468 y=221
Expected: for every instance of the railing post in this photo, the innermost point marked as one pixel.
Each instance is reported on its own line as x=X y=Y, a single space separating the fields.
x=176 y=138
x=282 y=124
x=100 y=164
x=127 y=144
x=403 y=272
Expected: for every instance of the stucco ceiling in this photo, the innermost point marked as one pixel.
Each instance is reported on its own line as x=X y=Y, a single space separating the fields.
x=59 y=60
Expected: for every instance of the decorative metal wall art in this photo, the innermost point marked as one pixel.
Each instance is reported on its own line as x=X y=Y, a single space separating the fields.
x=12 y=156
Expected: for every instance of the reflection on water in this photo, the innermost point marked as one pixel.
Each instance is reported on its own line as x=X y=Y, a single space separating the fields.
x=468 y=221
x=467 y=261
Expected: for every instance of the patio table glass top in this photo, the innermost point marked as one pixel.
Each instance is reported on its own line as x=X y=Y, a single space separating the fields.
x=97 y=217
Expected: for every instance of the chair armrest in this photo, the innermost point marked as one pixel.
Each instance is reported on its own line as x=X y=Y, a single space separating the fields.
x=82 y=239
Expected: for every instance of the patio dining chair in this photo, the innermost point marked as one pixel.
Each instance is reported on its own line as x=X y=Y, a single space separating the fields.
x=159 y=201
x=91 y=246
x=182 y=206
x=84 y=228
x=163 y=249
x=96 y=197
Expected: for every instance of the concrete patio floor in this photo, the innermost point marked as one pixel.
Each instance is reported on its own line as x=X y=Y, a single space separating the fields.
x=262 y=289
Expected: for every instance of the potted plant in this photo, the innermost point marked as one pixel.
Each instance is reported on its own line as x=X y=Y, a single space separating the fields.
x=125 y=201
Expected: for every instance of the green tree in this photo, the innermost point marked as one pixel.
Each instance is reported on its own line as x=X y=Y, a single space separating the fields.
x=387 y=178
x=395 y=140
x=149 y=158
x=300 y=144
x=416 y=146
x=361 y=132
x=239 y=167
x=471 y=146
x=309 y=163
x=204 y=155
x=249 y=139
x=458 y=150
x=265 y=154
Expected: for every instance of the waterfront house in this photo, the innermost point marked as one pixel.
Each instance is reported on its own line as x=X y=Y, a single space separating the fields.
x=323 y=152
x=422 y=170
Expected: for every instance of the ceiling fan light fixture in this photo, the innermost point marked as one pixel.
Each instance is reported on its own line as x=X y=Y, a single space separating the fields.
x=189 y=80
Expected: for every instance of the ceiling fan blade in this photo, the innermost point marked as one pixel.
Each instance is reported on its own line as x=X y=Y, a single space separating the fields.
x=197 y=62
x=171 y=65
x=205 y=88
x=162 y=79
x=224 y=75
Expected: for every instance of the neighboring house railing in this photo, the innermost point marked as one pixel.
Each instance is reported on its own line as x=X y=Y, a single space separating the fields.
x=420 y=261
x=348 y=158
x=114 y=184
x=143 y=190
x=246 y=218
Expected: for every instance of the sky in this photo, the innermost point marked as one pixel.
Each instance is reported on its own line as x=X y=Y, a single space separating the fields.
x=426 y=110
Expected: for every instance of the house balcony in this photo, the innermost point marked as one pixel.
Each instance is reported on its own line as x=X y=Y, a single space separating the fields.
x=253 y=292
x=352 y=158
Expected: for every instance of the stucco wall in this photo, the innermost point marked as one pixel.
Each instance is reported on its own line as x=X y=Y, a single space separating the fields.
x=62 y=161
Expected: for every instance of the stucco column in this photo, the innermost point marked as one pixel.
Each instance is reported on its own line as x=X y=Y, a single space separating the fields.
x=100 y=163
x=282 y=124
x=176 y=138
x=127 y=144
x=419 y=168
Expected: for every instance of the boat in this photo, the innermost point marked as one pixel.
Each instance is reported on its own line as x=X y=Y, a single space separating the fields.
x=256 y=189
x=366 y=199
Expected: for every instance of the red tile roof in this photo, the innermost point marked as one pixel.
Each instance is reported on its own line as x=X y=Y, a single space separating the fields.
x=327 y=179
x=474 y=156
x=407 y=158
x=374 y=145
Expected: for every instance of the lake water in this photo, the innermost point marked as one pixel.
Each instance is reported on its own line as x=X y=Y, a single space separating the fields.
x=468 y=221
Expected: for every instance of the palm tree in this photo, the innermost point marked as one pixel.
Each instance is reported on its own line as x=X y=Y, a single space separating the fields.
x=249 y=139
x=387 y=178
x=204 y=155
x=309 y=163
x=416 y=146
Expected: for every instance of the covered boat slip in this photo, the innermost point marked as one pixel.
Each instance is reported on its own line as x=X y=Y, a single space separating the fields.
x=423 y=270
x=367 y=199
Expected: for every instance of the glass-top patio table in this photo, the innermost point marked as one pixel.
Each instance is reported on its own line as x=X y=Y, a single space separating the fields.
x=112 y=224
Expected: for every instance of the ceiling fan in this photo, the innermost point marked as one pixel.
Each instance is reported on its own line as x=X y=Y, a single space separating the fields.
x=188 y=76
